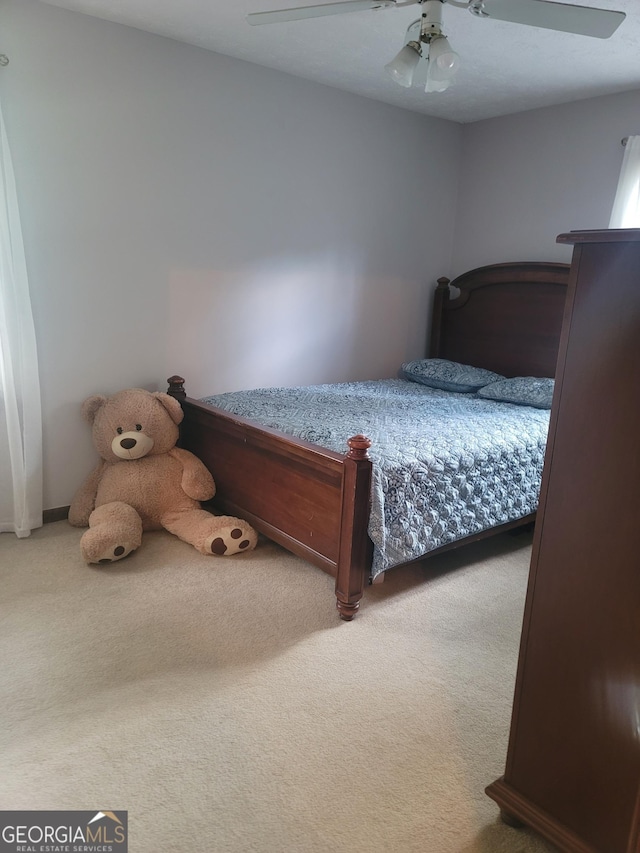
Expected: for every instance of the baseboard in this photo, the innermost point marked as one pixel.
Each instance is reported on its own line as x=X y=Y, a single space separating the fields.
x=59 y=513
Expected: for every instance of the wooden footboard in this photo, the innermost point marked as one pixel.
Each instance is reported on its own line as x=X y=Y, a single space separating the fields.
x=312 y=501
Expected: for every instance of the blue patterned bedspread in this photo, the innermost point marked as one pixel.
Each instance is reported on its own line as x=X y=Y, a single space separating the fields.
x=446 y=465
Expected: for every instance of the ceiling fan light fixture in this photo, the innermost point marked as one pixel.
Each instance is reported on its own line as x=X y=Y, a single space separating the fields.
x=443 y=65
x=402 y=67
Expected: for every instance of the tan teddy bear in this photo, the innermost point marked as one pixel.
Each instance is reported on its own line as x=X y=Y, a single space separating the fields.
x=144 y=482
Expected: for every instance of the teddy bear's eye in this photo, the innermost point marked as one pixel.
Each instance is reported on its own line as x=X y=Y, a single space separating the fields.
x=119 y=430
x=138 y=427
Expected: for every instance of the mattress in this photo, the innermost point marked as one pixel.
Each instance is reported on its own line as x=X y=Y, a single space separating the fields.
x=445 y=465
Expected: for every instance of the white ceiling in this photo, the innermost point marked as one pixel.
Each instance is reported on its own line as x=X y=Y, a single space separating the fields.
x=506 y=68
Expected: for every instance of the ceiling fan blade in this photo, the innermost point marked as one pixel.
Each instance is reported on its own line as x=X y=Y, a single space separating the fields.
x=296 y=14
x=583 y=20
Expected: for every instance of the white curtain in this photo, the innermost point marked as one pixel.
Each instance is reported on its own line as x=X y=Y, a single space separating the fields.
x=20 y=412
x=626 y=205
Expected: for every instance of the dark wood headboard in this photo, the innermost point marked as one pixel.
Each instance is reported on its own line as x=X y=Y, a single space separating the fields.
x=507 y=317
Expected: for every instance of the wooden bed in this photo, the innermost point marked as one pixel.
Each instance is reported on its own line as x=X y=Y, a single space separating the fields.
x=315 y=502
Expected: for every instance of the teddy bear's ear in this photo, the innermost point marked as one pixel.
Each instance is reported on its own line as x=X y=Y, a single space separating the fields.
x=171 y=405
x=90 y=407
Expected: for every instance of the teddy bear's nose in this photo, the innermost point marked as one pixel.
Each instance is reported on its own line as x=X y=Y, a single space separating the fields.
x=128 y=443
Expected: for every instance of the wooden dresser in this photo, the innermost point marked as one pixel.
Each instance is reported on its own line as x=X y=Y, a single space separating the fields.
x=573 y=762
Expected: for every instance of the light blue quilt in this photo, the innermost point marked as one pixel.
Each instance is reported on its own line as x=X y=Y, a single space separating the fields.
x=446 y=465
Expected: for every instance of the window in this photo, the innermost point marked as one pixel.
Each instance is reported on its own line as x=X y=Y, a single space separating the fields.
x=626 y=205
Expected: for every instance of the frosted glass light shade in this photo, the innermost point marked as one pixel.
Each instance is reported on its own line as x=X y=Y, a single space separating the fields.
x=443 y=65
x=402 y=67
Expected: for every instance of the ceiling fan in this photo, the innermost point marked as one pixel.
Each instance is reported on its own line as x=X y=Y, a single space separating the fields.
x=426 y=40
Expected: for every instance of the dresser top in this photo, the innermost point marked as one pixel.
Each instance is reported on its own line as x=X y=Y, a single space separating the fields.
x=605 y=235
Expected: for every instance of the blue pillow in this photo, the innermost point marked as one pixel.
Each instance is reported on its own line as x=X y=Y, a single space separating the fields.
x=522 y=390
x=448 y=375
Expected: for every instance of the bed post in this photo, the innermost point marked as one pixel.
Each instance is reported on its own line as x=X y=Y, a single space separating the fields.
x=440 y=296
x=354 y=556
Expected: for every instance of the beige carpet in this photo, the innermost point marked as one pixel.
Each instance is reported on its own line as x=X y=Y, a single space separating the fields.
x=224 y=705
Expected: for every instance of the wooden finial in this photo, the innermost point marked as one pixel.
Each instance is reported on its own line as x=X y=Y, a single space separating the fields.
x=176 y=387
x=358 y=447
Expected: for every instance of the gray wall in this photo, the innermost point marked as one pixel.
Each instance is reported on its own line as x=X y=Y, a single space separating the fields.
x=187 y=212
x=526 y=178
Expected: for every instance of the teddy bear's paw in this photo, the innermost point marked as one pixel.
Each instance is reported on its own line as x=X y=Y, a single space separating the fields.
x=115 y=554
x=115 y=530
x=99 y=552
x=232 y=538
